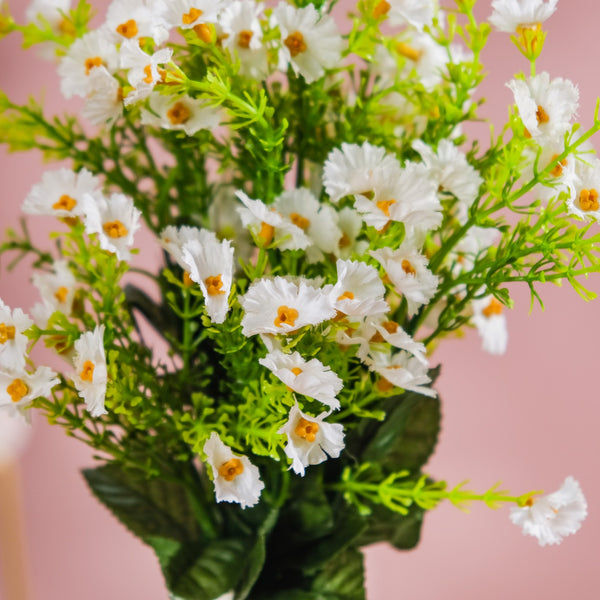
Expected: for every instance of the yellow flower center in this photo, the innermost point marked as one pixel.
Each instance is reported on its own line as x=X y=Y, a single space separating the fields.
x=346 y=296
x=408 y=51
x=214 y=285
x=345 y=241
x=384 y=206
x=381 y=8
x=390 y=326
x=295 y=43
x=187 y=280
x=493 y=308
x=17 y=390
x=87 y=373
x=383 y=385
x=90 y=63
x=286 y=315
x=179 y=114
x=61 y=294
x=66 y=27
x=541 y=115
x=115 y=229
x=7 y=332
x=266 y=233
x=193 y=15
x=299 y=221
x=244 y=38
x=557 y=171
x=231 y=469
x=129 y=29
x=204 y=32
x=588 y=200
x=296 y=371
x=307 y=430
x=65 y=203
x=408 y=268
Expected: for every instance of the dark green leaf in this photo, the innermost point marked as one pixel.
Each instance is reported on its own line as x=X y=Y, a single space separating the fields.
x=343 y=578
x=401 y=531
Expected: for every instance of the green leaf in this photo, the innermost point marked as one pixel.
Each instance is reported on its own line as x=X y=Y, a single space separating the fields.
x=343 y=578
x=148 y=508
x=253 y=565
x=401 y=531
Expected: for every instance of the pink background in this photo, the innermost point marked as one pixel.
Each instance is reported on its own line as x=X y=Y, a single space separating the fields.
x=529 y=418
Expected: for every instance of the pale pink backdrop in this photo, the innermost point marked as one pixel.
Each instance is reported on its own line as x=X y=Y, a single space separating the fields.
x=529 y=418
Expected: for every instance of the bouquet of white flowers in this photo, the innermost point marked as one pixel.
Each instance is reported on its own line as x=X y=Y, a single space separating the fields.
x=326 y=223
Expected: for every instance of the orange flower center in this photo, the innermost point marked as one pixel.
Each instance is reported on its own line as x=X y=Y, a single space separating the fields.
x=67 y=28
x=179 y=113
x=286 y=315
x=345 y=241
x=193 y=15
x=61 y=294
x=231 y=469
x=187 y=280
x=381 y=8
x=90 y=63
x=346 y=296
x=541 y=115
x=588 y=200
x=129 y=29
x=557 y=171
x=493 y=308
x=87 y=373
x=214 y=285
x=307 y=430
x=296 y=371
x=295 y=43
x=266 y=233
x=7 y=332
x=384 y=206
x=17 y=390
x=408 y=51
x=299 y=221
x=390 y=326
x=408 y=268
x=115 y=229
x=244 y=38
x=65 y=203
x=204 y=32
x=383 y=385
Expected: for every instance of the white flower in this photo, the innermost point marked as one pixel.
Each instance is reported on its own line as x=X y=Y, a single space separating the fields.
x=545 y=107
x=359 y=290
x=269 y=226
x=350 y=224
x=391 y=333
x=401 y=370
x=552 y=517
x=187 y=14
x=104 y=103
x=513 y=16
x=144 y=71
x=417 y=13
x=311 y=43
x=407 y=270
x=408 y=196
x=489 y=318
x=60 y=193
x=57 y=288
x=87 y=53
x=583 y=190
x=310 y=440
x=242 y=36
x=279 y=306
x=317 y=221
x=19 y=389
x=210 y=264
x=236 y=479
x=180 y=113
x=426 y=57
x=13 y=343
x=309 y=378
x=135 y=19
x=351 y=169
x=173 y=239
x=90 y=374
x=450 y=170
x=115 y=220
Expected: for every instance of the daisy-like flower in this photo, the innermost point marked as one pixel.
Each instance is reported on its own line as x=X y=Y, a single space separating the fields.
x=310 y=43
x=19 y=389
x=269 y=226
x=173 y=239
x=310 y=440
x=115 y=220
x=104 y=103
x=426 y=57
x=57 y=288
x=513 y=16
x=87 y=53
x=13 y=343
x=545 y=107
x=350 y=224
x=553 y=517
x=317 y=221
x=309 y=378
x=135 y=19
x=235 y=478
x=352 y=169
x=490 y=320
x=90 y=374
x=359 y=290
x=279 y=306
x=191 y=14
x=391 y=333
x=417 y=13
x=60 y=193
x=583 y=190
x=210 y=264
x=408 y=196
x=407 y=270
x=144 y=71
x=242 y=35
x=450 y=170
x=180 y=113
x=401 y=370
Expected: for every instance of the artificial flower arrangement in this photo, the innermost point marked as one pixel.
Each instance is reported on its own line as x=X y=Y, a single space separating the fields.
x=325 y=225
